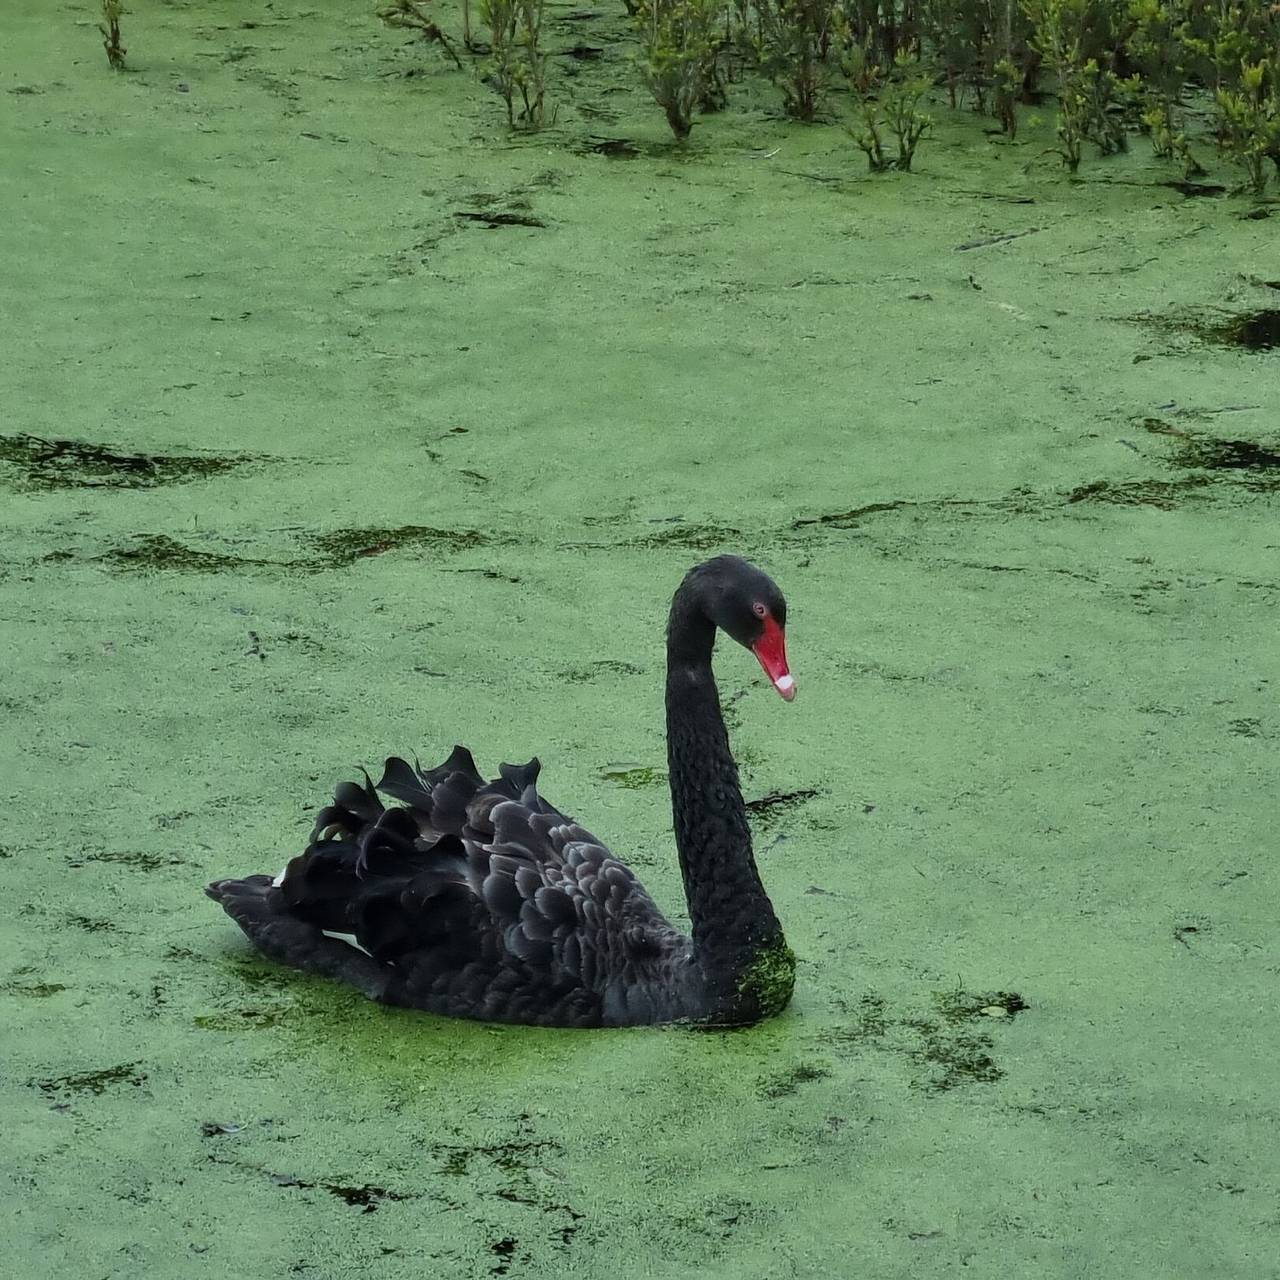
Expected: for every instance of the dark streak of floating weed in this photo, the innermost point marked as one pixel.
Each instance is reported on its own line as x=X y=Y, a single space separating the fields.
x=94 y=1082
x=1228 y=455
x=246 y=1019
x=156 y=552
x=34 y=990
x=1166 y=495
x=963 y=1006
x=588 y=673
x=346 y=546
x=956 y=1059
x=769 y=809
x=1249 y=330
x=366 y=1197
x=1254 y=331
x=697 y=537
x=91 y=924
x=634 y=779
x=785 y=1083
x=76 y=464
x=134 y=860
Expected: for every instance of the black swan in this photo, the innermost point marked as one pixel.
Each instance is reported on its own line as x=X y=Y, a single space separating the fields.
x=479 y=900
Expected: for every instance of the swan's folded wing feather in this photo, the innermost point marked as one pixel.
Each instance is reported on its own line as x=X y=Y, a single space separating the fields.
x=471 y=872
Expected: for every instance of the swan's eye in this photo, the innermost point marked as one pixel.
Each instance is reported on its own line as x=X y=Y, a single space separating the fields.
x=758 y=609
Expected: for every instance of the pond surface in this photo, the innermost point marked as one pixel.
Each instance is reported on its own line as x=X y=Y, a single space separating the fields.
x=340 y=424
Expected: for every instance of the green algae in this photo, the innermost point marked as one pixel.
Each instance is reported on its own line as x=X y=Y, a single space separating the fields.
x=753 y=341
x=768 y=981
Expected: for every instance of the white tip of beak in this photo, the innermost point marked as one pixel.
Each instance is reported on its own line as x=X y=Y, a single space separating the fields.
x=786 y=686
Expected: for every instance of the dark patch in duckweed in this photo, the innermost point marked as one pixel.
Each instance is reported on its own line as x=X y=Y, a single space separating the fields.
x=696 y=537
x=1210 y=460
x=947 y=1045
x=954 y=1059
x=1165 y=495
x=218 y=1128
x=964 y=1006
x=1248 y=727
x=505 y=1250
x=514 y=1161
x=249 y=1018
x=156 y=552
x=1188 y=188
x=1254 y=331
x=769 y=810
x=508 y=1157
x=365 y=1197
x=95 y=1082
x=606 y=666
x=33 y=990
x=132 y=859
x=492 y=219
x=1249 y=330
x=1227 y=455
x=870 y=1021
x=91 y=924
x=77 y=464
x=635 y=779
x=851 y=519
x=786 y=1083
x=346 y=546
x=612 y=148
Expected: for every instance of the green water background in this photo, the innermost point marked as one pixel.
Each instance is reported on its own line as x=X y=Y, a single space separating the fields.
x=451 y=475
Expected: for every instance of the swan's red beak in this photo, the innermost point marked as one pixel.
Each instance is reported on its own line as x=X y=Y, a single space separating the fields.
x=771 y=649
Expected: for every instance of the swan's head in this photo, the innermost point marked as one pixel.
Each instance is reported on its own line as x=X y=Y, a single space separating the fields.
x=745 y=603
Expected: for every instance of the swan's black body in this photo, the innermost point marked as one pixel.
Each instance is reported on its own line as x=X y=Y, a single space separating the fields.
x=480 y=900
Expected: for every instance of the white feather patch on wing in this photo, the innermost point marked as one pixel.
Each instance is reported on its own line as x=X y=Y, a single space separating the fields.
x=279 y=880
x=348 y=938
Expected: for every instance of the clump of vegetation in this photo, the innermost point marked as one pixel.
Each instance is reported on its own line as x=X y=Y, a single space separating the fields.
x=1115 y=66
x=678 y=45
x=1155 y=45
x=1250 y=118
x=412 y=17
x=1076 y=38
x=1233 y=48
x=897 y=111
x=517 y=66
x=110 y=28
x=793 y=39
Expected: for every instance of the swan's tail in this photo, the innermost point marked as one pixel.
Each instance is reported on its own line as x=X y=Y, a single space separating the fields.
x=258 y=907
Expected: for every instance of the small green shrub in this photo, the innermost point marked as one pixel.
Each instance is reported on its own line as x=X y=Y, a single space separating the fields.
x=517 y=65
x=1155 y=44
x=110 y=28
x=411 y=17
x=677 y=44
x=897 y=112
x=1079 y=40
x=794 y=38
x=1250 y=115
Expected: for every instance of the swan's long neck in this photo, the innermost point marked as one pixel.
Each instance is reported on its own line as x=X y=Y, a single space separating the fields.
x=733 y=921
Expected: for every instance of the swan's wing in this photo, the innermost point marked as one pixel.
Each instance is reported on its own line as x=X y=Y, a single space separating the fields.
x=482 y=885
x=565 y=899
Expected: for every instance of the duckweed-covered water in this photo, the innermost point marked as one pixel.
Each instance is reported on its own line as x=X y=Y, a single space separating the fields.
x=304 y=463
